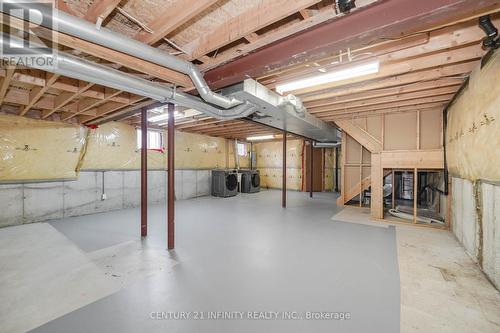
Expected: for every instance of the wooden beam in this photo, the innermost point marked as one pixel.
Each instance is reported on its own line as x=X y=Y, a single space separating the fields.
x=110 y=55
x=342 y=56
x=393 y=91
x=409 y=159
x=362 y=185
x=415 y=194
x=37 y=92
x=393 y=81
x=410 y=47
x=377 y=199
x=109 y=107
x=6 y=83
x=415 y=102
x=269 y=38
x=252 y=37
x=65 y=97
x=360 y=135
x=305 y=13
x=467 y=53
x=171 y=17
x=375 y=102
x=195 y=122
x=22 y=97
x=61 y=5
x=360 y=28
x=421 y=107
x=253 y=19
x=64 y=84
x=101 y=9
x=85 y=105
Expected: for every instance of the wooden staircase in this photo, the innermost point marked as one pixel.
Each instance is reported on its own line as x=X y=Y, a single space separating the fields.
x=354 y=191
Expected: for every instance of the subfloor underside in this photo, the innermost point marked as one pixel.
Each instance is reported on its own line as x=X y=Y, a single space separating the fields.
x=241 y=264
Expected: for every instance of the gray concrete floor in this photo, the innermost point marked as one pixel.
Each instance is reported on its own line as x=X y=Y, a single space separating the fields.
x=94 y=274
x=237 y=254
x=442 y=288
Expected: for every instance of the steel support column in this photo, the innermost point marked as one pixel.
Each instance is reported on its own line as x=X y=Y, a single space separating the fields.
x=144 y=172
x=311 y=171
x=283 y=187
x=171 y=180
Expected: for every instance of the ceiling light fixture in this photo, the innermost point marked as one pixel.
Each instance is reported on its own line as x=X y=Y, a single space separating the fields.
x=260 y=137
x=338 y=75
x=164 y=116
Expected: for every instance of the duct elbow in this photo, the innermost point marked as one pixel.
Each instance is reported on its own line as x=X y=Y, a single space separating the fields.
x=219 y=100
x=207 y=94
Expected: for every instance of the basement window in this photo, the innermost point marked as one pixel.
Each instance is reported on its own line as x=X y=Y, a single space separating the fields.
x=242 y=149
x=155 y=139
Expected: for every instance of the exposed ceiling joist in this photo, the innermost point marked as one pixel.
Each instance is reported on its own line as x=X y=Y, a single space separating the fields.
x=4 y=84
x=110 y=55
x=262 y=15
x=409 y=88
x=101 y=9
x=384 y=100
x=37 y=92
x=171 y=17
x=65 y=98
x=366 y=25
x=414 y=102
x=422 y=107
x=420 y=63
x=394 y=81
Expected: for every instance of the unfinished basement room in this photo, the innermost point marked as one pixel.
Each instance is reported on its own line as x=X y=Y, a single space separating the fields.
x=232 y=166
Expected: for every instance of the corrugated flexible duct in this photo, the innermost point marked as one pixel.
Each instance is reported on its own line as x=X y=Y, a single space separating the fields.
x=82 y=29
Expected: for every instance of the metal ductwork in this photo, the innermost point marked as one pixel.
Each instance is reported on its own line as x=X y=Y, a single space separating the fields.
x=283 y=112
x=80 y=69
x=82 y=29
x=246 y=99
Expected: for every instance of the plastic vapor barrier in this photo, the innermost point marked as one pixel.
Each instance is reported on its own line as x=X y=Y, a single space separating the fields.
x=270 y=160
x=113 y=146
x=472 y=136
x=33 y=150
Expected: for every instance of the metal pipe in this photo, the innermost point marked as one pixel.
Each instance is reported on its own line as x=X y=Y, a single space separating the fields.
x=311 y=172
x=70 y=66
x=144 y=172
x=171 y=180
x=283 y=187
x=52 y=18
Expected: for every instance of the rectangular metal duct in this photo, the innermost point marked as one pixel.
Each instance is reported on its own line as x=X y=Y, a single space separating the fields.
x=275 y=111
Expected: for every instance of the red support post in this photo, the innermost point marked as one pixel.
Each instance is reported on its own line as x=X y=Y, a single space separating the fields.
x=171 y=181
x=283 y=187
x=144 y=172
x=311 y=184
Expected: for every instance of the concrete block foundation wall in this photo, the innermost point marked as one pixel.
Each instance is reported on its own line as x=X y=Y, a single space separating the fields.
x=36 y=202
x=476 y=223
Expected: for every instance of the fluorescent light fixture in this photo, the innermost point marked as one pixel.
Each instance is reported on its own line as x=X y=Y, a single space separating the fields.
x=338 y=75
x=260 y=137
x=163 y=116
